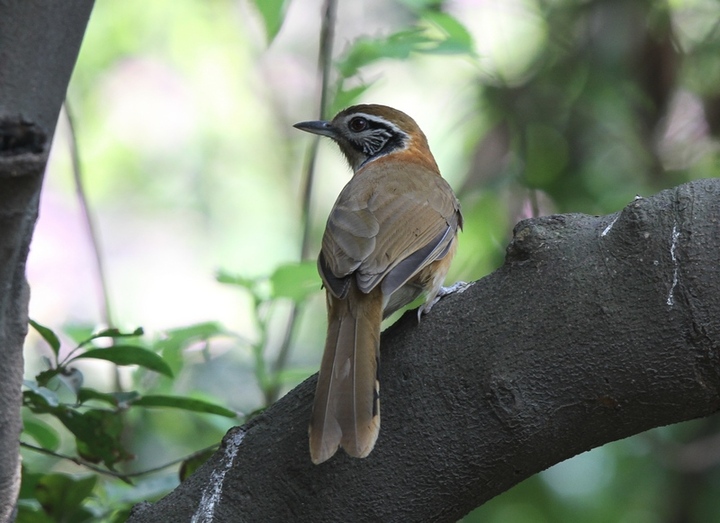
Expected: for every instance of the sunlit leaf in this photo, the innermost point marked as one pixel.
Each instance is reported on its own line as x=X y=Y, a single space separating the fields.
x=184 y=403
x=78 y=332
x=295 y=280
x=223 y=276
x=48 y=335
x=368 y=50
x=457 y=38
x=129 y=355
x=273 y=14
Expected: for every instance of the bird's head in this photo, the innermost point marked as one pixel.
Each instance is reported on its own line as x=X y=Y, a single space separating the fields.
x=367 y=132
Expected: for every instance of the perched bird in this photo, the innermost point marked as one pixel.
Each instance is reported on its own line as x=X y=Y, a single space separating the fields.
x=390 y=237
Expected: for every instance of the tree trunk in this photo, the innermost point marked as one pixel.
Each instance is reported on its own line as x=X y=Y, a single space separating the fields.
x=39 y=43
x=594 y=329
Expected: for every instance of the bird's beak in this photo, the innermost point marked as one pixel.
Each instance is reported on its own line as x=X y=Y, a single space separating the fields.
x=320 y=127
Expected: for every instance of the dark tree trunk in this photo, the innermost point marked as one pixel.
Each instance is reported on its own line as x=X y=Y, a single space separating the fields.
x=39 y=43
x=594 y=329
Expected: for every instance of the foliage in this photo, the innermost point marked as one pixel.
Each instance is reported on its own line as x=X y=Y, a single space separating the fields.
x=295 y=281
x=96 y=420
x=589 y=116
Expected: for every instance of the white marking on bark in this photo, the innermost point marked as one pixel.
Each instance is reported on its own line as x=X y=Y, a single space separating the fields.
x=607 y=229
x=205 y=512
x=673 y=246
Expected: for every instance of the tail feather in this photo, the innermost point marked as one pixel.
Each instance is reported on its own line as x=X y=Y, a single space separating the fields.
x=346 y=411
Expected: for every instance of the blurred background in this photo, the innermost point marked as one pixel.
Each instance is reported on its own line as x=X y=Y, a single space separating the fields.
x=196 y=183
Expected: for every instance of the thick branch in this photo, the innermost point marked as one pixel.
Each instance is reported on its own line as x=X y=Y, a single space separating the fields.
x=39 y=42
x=594 y=329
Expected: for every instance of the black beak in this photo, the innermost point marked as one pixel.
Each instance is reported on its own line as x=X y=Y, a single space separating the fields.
x=317 y=127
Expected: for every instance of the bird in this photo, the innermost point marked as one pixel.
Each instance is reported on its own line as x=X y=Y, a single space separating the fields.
x=389 y=238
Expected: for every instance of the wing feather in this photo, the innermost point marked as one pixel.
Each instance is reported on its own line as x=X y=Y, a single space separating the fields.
x=387 y=225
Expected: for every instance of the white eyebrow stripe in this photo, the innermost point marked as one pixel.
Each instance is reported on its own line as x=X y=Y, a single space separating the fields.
x=380 y=120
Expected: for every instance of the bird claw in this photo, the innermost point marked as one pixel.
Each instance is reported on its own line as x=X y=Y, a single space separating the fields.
x=457 y=287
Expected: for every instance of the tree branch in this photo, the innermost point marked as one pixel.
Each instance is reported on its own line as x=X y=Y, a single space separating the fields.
x=39 y=44
x=594 y=329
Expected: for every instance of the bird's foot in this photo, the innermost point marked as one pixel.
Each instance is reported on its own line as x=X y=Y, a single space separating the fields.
x=457 y=287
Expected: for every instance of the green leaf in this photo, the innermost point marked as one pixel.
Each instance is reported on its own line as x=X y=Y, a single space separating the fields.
x=78 y=332
x=48 y=335
x=450 y=36
x=28 y=482
x=257 y=287
x=295 y=281
x=44 y=377
x=273 y=14
x=128 y=355
x=347 y=97
x=97 y=434
x=368 y=50
x=223 y=276
x=184 y=403
x=120 y=515
x=198 y=331
x=112 y=333
x=116 y=399
x=32 y=514
x=61 y=495
x=420 y=5
x=193 y=463
x=172 y=343
x=71 y=377
x=46 y=436
x=38 y=398
x=457 y=38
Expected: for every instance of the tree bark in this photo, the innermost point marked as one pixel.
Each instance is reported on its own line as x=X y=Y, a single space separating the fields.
x=594 y=329
x=39 y=43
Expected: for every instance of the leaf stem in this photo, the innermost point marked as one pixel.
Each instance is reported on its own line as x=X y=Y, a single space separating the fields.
x=327 y=35
x=100 y=470
x=93 y=235
x=92 y=232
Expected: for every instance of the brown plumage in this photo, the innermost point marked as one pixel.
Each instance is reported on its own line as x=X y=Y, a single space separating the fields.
x=389 y=238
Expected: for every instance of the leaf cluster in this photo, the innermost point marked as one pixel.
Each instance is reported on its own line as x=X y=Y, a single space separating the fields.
x=57 y=399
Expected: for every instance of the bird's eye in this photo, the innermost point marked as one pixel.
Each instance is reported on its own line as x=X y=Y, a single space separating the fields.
x=358 y=124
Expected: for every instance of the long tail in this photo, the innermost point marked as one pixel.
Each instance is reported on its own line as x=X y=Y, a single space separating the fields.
x=346 y=411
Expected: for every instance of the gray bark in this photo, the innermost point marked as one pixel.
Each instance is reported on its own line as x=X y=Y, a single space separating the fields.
x=39 y=43
x=594 y=329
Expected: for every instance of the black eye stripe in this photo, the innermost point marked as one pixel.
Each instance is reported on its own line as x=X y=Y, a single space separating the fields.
x=373 y=136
